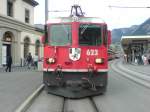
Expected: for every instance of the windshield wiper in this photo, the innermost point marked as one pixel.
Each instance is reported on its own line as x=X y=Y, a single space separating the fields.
x=84 y=28
x=66 y=30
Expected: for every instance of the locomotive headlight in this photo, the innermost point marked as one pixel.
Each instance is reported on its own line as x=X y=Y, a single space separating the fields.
x=99 y=60
x=51 y=60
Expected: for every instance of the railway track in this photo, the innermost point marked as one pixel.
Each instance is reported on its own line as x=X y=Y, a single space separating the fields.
x=40 y=101
x=80 y=105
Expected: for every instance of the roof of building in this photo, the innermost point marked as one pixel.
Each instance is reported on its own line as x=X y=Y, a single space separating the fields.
x=31 y=2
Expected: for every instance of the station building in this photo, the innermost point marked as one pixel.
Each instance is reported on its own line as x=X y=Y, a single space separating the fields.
x=18 y=36
x=134 y=46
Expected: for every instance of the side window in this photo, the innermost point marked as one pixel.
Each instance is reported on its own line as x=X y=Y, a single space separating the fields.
x=27 y=16
x=105 y=35
x=9 y=8
x=37 y=46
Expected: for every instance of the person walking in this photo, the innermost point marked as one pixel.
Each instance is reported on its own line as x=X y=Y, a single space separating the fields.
x=148 y=57
x=35 y=59
x=125 y=58
x=8 y=63
x=29 y=60
x=145 y=61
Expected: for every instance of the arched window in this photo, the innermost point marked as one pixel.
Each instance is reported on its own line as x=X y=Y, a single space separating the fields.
x=37 y=45
x=26 y=46
x=7 y=37
x=7 y=46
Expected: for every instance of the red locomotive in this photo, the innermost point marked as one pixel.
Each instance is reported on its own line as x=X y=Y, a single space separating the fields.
x=75 y=55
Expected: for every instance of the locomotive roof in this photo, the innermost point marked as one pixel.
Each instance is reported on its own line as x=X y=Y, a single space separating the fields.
x=75 y=19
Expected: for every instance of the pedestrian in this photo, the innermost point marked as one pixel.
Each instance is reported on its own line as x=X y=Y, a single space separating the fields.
x=140 y=58
x=145 y=60
x=35 y=59
x=148 y=59
x=29 y=60
x=8 y=63
x=125 y=58
x=135 y=60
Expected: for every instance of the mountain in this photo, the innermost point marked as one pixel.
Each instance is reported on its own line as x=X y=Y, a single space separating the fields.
x=142 y=29
x=116 y=35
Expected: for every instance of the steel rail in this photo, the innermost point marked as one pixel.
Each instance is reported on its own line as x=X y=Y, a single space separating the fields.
x=63 y=107
x=94 y=105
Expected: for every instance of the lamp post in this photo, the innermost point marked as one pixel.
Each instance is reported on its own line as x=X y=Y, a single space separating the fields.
x=46 y=11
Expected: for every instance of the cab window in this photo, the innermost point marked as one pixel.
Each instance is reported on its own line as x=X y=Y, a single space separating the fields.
x=60 y=35
x=90 y=35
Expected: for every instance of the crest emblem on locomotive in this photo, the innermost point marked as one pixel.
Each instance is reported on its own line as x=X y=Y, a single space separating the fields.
x=74 y=53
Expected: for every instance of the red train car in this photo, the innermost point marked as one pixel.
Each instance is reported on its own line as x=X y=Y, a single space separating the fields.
x=75 y=56
x=111 y=54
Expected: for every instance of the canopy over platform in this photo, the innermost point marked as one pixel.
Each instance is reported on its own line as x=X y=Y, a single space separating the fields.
x=135 y=41
x=132 y=39
x=135 y=46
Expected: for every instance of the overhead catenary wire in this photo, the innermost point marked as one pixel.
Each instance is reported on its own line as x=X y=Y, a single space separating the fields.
x=59 y=11
x=113 y=6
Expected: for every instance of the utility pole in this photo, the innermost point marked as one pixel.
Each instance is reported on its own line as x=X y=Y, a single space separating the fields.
x=46 y=19
x=46 y=11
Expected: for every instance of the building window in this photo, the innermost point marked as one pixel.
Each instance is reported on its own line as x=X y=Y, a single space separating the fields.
x=7 y=37
x=37 y=45
x=9 y=8
x=27 y=16
x=26 y=46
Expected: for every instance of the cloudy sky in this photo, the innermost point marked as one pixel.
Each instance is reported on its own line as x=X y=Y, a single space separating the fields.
x=114 y=17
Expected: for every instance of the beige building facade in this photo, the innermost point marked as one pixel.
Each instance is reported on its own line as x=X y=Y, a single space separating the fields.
x=18 y=36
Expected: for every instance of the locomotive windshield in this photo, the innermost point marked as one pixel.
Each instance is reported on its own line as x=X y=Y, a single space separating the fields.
x=90 y=35
x=60 y=35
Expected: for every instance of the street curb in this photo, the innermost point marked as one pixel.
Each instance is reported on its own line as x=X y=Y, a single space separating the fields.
x=141 y=72
x=135 y=73
x=132 y=78
x=24 y=106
